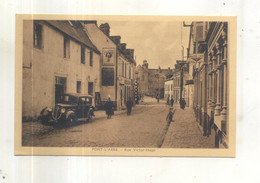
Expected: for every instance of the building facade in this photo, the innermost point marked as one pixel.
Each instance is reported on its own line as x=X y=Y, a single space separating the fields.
x=152 y=80
x=168 y=89
x=117 y=64
x=176 y=78
x=208 y=51
x=58 y=57
x=142 y=76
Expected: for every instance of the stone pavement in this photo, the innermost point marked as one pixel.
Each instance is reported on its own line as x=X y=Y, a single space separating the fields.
x=146 y=127
x=36 y=128
x=184 y=132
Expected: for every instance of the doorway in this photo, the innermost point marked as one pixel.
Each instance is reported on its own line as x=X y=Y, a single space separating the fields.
x=60 y=88
x=90 y=88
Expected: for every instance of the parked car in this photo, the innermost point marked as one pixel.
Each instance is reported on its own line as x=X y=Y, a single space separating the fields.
x=70 y=108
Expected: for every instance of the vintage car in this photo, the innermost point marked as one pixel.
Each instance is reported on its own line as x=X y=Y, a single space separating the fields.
x=69 y=109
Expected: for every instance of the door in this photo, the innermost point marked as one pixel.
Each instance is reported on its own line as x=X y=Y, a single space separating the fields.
x=60 y=88
x=90 y=88
x=59 y=91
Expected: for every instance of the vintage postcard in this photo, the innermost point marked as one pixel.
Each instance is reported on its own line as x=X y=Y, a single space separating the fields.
x=125 y=85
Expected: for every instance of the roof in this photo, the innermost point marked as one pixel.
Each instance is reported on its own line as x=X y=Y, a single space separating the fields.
x=75 y=30
x=79 y=95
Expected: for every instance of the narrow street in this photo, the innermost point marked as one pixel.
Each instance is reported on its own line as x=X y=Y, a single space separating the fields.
x=146 y=127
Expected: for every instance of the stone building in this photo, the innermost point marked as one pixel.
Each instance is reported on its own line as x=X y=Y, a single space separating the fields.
x=156 y=81
x=58 y=57
x=152 y=80
x=142 y=76
x=117 y=64
x=208 y=55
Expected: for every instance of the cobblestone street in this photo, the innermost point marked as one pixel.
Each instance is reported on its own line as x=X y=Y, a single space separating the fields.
x=146 y=127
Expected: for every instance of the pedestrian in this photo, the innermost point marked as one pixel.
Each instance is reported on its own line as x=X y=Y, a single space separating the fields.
x=158 y=98
x=182 y=103
x=170 y=115
x=129 y=105
x=172 y=102
x=142 y=98
x=109 y=108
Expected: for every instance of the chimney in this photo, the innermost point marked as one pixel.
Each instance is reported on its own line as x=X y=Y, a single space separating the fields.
x=122 y=46
x=130 y=53
x=90 y=22
x=159 y=69
x=145 y=64
x=105 y=28
x=116 y=39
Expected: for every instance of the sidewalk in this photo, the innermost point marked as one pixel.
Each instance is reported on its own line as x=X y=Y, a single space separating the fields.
x=184 y=132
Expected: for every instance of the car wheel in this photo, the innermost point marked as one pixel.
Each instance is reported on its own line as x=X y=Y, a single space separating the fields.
x=71 y=120
x=45 y=119
x=44 y=116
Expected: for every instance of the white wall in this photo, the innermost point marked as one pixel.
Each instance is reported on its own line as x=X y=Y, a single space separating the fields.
x=101 y=41
x=47 y=63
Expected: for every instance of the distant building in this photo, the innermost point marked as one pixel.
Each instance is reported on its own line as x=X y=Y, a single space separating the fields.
x=168 y=89
x=142 y=75
x=152 y=80
x=156 y=81
x=58 y=57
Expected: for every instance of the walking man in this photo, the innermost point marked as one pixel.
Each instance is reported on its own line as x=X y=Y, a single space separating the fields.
x=109 y=108
x=172 y=102
x=182 y=103
x=170 y=115
x=129 y=105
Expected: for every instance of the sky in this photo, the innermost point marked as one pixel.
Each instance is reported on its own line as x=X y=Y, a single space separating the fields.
x=158 y=42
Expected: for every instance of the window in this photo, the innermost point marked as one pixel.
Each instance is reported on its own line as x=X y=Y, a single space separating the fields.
x=78 y=86
x=91 y=58
x=82 y=54
x=123 y=68
x=37 y=36
x=125 y=71
x=108 y=77
x=129 y=72
x=66 y=48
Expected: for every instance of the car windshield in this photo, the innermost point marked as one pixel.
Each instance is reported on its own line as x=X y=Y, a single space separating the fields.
x=84 y=100
x=68 y=99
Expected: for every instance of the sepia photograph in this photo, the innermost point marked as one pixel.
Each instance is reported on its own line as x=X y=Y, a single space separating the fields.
x=125 y=85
